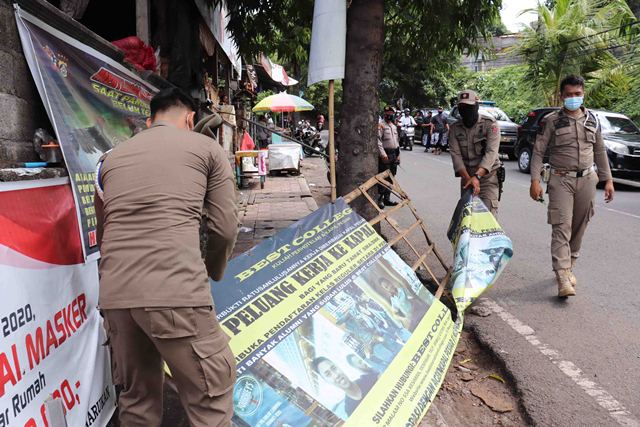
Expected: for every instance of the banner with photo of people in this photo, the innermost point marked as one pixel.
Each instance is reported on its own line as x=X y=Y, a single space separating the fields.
x=330 y=327
x=481 y=250
x=92 y=102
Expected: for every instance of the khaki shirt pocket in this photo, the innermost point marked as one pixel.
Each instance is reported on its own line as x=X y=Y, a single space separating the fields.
x=167 y=323
x=480 y=146
x=217 y=363
x=564 y=135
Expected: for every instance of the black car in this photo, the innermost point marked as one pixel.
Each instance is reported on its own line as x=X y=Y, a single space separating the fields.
x=621 y=138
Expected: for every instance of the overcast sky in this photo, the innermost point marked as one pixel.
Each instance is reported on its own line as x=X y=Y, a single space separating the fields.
x=511 y=10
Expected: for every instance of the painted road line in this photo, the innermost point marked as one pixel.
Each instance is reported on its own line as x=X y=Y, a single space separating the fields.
x=615 y=409
x=619 y=212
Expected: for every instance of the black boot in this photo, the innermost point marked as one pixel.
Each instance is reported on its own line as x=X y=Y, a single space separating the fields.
x=388 y=202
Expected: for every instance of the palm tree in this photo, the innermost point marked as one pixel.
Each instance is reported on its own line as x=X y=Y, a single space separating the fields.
x=582 y=37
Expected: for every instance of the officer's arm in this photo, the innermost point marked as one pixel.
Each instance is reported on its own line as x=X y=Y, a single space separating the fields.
x=454 y=149
x=493 y=147
x=540 y=147
x=600 y=157
x=221 y=211
x=381 y=151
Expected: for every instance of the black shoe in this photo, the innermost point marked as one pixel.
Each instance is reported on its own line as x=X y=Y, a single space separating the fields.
x=390 y=203
x=380 y=204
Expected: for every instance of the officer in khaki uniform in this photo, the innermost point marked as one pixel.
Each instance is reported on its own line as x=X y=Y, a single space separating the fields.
x=474 y=142
x=573 y=138
x=389 y=148
x=154 y=287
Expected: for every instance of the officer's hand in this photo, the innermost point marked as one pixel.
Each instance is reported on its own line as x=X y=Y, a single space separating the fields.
x=608 y=191
x=475 y=183
x=385 y=159
x=535 y=191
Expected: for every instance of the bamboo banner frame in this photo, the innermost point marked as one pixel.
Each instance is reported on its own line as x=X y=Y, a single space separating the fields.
x=401 y=234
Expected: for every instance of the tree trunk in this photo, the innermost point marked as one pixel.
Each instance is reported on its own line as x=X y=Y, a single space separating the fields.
x=357 y=136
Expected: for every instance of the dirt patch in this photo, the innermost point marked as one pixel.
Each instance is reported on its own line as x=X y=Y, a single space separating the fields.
x=475 y=381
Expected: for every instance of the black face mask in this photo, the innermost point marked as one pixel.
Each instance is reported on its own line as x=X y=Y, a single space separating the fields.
x=469 y=114
x=388 y=117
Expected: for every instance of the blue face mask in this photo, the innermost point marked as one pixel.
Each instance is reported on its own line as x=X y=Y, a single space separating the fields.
x=572 y=104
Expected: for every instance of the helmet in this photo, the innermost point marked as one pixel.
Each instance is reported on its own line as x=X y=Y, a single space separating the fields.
x=406 y=110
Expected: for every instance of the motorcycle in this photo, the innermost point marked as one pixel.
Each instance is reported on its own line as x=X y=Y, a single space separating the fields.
x=407 y=133
x=310 y=136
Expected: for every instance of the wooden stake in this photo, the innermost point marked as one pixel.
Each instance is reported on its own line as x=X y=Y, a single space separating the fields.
x=332 y=146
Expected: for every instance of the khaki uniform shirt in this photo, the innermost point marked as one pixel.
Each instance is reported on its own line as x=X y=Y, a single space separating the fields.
x=575 y=144
x=387 y=137
x=156 y=186
x=476 y=147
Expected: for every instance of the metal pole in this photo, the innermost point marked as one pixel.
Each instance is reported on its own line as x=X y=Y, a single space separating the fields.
x=332 y=147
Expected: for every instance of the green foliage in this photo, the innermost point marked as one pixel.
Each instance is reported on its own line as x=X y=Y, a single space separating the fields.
x=263 y=94
x=318 y=96
x=421 y=38
x=508 y=88
x=572 y=38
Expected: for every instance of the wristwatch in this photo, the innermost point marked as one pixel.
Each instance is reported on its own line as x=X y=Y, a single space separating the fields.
x=477 y=176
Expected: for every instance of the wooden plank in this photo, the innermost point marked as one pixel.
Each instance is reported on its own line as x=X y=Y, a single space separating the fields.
x=366 y=186
x=404 y=234
x=385 y=213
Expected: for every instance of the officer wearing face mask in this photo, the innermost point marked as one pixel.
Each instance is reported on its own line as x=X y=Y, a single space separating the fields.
x=474 y=141
x=389 y=149
x=574 y=141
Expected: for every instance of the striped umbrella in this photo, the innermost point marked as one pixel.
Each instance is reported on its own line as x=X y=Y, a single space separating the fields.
x=283 y=102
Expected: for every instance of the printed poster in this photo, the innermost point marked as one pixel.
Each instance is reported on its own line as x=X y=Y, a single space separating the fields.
x=52 y=335
x=93 y=103
x=481 y=250
x=330 y=327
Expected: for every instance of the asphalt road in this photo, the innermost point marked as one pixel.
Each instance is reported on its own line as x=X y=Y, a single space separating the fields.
x=575 y=362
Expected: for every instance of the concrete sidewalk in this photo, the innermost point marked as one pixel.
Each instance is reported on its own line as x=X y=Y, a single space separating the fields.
x=283 y=201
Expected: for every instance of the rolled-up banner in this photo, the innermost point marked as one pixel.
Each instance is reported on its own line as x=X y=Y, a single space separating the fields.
x=328 y=41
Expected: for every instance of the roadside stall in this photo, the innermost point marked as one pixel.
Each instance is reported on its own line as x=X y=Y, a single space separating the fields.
x=283 y=157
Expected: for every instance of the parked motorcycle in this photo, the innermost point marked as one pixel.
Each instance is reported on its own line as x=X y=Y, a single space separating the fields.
x=310 y=136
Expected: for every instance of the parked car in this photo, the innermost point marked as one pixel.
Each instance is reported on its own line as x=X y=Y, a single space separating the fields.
x=508 y=129
x=620 y=134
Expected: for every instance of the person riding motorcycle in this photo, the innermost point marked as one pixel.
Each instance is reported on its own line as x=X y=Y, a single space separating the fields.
x=407 y=130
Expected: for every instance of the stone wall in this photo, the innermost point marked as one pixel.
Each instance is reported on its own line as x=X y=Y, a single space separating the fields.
x=21 y=109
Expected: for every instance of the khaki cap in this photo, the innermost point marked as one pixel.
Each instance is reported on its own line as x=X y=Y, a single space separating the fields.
x=468 y=96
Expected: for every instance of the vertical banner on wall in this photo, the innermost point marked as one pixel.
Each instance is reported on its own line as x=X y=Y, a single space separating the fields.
x=92 y=101
x=52 y=335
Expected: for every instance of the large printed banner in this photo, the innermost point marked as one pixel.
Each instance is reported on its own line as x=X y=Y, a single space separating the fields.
x=330 y=327
x=481 y=250
x=52 y=335
x=93 y=103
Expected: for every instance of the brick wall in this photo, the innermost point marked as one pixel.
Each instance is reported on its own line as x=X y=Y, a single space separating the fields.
x=21 y=110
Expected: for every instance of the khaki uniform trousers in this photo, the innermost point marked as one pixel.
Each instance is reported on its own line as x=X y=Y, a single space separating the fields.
x=195 y=349
x=570 y=209
x=489 y=191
